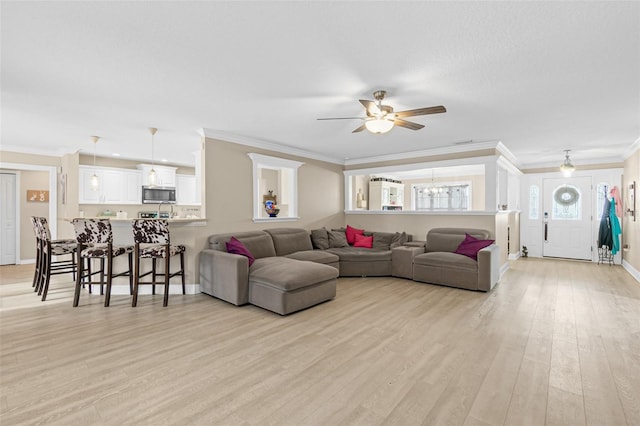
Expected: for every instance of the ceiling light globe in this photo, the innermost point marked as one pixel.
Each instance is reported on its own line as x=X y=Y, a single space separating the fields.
x=379 y=126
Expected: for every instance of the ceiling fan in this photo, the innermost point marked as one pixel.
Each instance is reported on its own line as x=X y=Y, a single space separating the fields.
x=381 y=118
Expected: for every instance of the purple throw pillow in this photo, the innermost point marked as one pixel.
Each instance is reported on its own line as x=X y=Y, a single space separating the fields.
x=236 y=247
x=470 y=246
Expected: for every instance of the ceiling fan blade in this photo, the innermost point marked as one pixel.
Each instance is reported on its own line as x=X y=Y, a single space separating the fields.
x=407 y=124
x=421 y=111
x=342 y=118
x=371 y=107
x=359 y=129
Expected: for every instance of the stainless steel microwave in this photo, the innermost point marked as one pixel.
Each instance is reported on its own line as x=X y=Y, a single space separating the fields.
x=158 y=194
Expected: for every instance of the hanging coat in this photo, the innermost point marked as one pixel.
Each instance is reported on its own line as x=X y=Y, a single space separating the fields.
x=616 y=231
x=615 y=194
x=604 y=232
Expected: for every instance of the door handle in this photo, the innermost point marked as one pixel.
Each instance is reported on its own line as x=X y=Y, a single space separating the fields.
x=546 y=227
x=546 y=232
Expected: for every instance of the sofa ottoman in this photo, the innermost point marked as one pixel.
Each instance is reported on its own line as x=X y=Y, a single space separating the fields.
x=284 y=285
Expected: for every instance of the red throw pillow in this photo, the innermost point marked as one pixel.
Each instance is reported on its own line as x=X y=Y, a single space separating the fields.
x=351 y=234
x=236 y=247
x=362 y=241
x=470 y=246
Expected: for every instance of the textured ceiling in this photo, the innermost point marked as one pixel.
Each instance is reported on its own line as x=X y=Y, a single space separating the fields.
x=538 y=76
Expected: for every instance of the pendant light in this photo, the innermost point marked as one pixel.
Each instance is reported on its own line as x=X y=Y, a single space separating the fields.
x=152 y=173
x=94 y=182
x=567 y=168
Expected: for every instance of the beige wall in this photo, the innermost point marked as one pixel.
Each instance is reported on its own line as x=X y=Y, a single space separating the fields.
x=31 y=180
x=33 y=159
x=631 y=228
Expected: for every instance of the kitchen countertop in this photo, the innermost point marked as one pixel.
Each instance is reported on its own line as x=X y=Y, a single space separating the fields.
x=176 y=220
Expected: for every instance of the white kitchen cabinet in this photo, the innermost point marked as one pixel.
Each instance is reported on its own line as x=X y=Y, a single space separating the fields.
x=386 y=195
x=115 y=186
x=165 y=175
x=187 y=192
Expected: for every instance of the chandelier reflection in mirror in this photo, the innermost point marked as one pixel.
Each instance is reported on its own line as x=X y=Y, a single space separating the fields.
x=442 y=197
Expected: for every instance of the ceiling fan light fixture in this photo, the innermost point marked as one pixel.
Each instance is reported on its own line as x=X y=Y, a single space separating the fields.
x=379 y=126
x=567 y=168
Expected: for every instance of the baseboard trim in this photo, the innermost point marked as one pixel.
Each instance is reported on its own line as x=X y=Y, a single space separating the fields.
x=631 y=270
x=504 y=268
x=514 y=256
x=27 y=261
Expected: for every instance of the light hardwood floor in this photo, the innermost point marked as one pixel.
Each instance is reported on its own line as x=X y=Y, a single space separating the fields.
x=555 y=343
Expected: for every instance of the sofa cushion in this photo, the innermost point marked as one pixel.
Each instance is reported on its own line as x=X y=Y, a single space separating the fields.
x=448 y=239
x=382 y=240
x=318 y=256
x=236 y=247
x=446 y=260
x=357 y=254
x=351 y=233
x=337 y=239
x=470 y=246
x=362 y=241
x=289 y=274
x=259 y=243
x=290 y=240
x=399 y=239
x=320 y=238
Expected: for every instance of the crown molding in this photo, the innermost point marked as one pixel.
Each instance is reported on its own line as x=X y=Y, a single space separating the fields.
x=271 y=146
x=431 y=152
x=632 y=149
x=592 y=162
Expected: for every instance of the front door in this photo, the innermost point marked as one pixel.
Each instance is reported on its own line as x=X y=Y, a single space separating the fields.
x=567 y=219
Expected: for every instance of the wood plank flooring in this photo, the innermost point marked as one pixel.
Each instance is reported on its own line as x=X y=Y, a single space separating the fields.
x=556 y=343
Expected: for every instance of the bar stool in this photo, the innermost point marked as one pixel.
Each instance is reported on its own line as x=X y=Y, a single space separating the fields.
x=46 y=248
x=154 y=234
x=95 y=241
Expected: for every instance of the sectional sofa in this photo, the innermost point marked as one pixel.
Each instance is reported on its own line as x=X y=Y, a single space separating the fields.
x=288 y=269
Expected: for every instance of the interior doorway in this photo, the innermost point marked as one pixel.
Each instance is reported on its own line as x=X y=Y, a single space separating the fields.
x=8 y=227
x=568 y=218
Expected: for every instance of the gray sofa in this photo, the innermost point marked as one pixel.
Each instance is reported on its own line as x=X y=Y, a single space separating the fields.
x=440 y=265
x=294 y=270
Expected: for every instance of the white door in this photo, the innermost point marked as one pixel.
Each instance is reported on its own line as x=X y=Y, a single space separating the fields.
x=8 y=219
x=567 y=218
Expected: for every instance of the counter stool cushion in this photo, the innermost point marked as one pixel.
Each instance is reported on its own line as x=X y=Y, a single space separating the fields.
x=160 y=251
x=102 y=251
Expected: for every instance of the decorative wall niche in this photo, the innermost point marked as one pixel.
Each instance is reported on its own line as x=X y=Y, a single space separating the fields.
x=275 y=188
